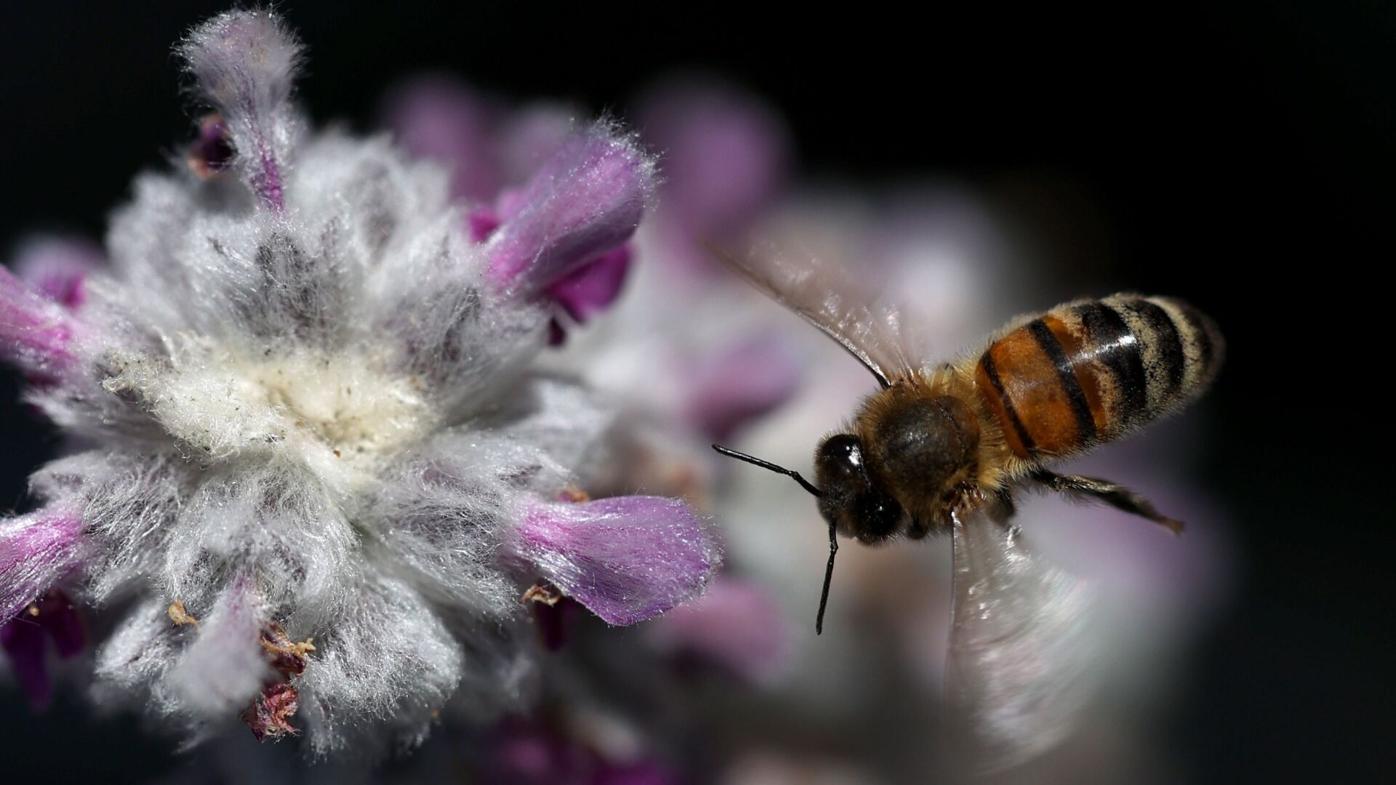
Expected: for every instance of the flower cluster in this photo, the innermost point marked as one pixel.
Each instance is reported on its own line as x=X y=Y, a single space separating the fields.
x=325 y=453
x=321 y=464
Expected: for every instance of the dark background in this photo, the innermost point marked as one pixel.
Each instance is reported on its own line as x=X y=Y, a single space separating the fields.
x=1239 y=156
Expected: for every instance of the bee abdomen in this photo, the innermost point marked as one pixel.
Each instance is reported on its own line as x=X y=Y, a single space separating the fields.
x=1087 y=372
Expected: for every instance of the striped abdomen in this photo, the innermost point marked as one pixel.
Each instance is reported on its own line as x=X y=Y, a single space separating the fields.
x=1086 y=372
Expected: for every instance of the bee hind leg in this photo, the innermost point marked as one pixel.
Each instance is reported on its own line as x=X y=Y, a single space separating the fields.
x=1116 y=496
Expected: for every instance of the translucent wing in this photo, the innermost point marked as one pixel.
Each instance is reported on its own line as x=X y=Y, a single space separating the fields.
x=1023 y=645
x=827 y=294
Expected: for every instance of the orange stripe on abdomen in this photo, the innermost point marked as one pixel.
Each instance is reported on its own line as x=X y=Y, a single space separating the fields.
x=1041 y=412
x=1078 y=351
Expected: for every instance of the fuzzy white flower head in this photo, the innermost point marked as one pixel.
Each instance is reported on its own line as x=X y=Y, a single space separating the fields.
x=322 y=468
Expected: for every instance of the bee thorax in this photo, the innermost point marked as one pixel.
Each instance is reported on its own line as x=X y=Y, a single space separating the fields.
x=923 y=447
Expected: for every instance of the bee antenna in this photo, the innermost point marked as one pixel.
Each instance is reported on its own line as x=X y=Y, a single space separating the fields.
x=791 y=473
x=833 y=534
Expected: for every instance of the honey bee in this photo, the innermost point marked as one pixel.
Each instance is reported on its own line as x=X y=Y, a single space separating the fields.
x=942 y=448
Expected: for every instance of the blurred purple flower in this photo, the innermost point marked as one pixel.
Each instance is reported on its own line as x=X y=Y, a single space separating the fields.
x=529 y=752
x=736 y=625
x=442 y=119
x=725 y=155
x=740 y=383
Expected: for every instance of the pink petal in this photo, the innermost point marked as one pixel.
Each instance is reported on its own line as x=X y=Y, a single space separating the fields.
x=588 y=198
x=482 y=221
x=593 y=287
x=740 y=383
x=36 y=333
x=626 y=558
x=36 y=550
x=56 y=268
x=735 y=624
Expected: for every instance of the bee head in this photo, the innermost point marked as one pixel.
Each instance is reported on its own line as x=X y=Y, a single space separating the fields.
x=852 y=501
x=849 y=502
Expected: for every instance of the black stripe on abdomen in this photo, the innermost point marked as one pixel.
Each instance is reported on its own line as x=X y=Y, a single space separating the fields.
x=1066 y=377
x=1162 y=336
x=1119 y=350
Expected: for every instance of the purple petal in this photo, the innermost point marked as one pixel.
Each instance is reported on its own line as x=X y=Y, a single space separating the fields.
x=482 y=221
x=36 y=333
x=626 y=558
x=36 y=550
x=735 y=624
x=744 y=381
x=56 y=268
x=442 y=119
x=589 y=289
x=245 y=62
x=588 y=198
x=725 y=155
x=22 y=638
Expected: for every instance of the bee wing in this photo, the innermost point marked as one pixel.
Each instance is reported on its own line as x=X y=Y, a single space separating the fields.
x=827 y=295
x=1022 y=642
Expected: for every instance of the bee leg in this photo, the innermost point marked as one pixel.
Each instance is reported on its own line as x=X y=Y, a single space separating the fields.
x=918 y=529
x=1116 y=496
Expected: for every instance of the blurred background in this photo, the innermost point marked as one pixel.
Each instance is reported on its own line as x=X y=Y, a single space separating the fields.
x=1236 y=155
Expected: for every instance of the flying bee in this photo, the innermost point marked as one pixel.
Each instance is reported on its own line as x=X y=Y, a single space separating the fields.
x=943 y=448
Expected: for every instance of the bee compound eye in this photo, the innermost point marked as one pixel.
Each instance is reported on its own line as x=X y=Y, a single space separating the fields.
x=840 y=457
x=878 y=516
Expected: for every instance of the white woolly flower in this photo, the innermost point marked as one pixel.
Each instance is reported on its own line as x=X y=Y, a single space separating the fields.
x=321 y=469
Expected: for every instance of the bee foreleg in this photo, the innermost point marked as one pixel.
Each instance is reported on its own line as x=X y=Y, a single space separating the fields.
x=1116 y=496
